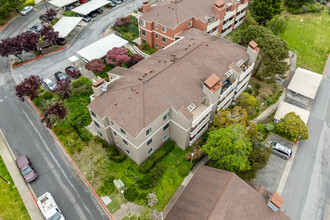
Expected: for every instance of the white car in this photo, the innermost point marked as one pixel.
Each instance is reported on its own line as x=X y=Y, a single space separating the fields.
x=26 y=10
x=49 y=85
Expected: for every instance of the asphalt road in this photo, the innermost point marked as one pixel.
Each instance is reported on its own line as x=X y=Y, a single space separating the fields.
x=27 y=135
x=307 y=192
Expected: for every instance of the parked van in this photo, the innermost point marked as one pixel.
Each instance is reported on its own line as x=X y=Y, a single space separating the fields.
x=281 y=150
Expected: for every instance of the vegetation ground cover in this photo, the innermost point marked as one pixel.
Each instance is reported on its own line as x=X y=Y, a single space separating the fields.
x=11 y=205
x=308 y=36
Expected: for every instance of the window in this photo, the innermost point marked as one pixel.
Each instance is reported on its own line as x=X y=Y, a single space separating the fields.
x=165 y=137
x=112 y=123
x=123 y=131
x=156 y=26
x=164 y=39
x=143 y=24
x=126 y=151
x=148 y=131
x=156 y=36
x=94 y=115
x=125 y=142
x=114 y=133
x=144 y=41
x=149 y=142
x=227 y=9
x=156 y=45
x=164 y=29
x=166 y=116
x=99 y=133
x=190 y=24
x=150 y=151
x=143 y=32
x=96 y=124
x=166 y=126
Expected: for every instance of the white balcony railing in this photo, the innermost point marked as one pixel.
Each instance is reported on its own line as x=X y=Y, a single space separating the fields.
x=243 y=82
x=240 y=16
x=228 y=24
x=200 y=125
x=227 y=105
x=238 y=24
x=198 y=135
x=226 y=32
x=240 y=91
x=200 y=116
x=229 y=15
x=246 y=72
x=92 y=97
x=241 y=7
x=215 y=32
x=212 y=25
x=223 y=102
x=230 y=88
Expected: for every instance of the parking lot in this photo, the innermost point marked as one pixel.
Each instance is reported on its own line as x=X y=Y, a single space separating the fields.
x=271 y=174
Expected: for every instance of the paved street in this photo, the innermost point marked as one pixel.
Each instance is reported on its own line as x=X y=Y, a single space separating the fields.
x=27 y=135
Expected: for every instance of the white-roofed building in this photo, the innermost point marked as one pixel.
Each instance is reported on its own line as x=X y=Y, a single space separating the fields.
x=285 y=108
x=66 y=24
x=87 y=7
x=99 y=48
x=61 y=3
x=304 y=85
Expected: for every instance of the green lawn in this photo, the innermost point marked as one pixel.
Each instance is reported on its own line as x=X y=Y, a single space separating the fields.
x=11 y=205
x=309 y=39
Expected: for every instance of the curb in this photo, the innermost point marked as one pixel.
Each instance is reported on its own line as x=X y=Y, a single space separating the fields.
x=85 y=181
x=3 y=26
x=326 y=64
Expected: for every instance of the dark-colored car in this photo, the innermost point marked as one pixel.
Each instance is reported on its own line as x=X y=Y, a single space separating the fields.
x=34 y=29
x=69 y=7
x=60 y=41
x=99 y=11
x=92 y=14
x=86 y=18
x=59 y=76
x=73 y=72
x=27 y=171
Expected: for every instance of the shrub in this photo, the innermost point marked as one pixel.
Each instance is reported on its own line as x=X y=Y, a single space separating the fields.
x=257 y=86
x=256 y=93
x=184 y=171
x=204 y=137
x=123 y=21
x=96 y=65
x=82 y=90
x=131 y=194
x=107 y=187
x=269 y=126
x=37 y=101
x=70 y=14
x=249 y=91
x=161 y=152
x=47 y=95
x=150 y=180
x=261 y=128
x=81 y=81
x=269 y=101
x=29 y=3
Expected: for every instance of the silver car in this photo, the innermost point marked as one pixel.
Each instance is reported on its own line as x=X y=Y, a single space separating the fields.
x=281 y=150
x=26 y=10
x=49 y=85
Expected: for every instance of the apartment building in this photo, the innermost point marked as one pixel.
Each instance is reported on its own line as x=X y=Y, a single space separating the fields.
x=173 y=94
x=163 y=21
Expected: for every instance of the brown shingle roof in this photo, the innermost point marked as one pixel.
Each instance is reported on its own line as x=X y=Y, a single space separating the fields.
x=169 y=78
x=221 y=195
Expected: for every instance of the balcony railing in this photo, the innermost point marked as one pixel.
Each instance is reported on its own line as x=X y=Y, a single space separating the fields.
x=240 y=91
x=238 y=24
x=199 y=113
x=246 y=72
x=226 y=32
x=212 y=25
x=240 y=16
x=215 y=32
x=226 y=92
x=230 y=96
x=228 y=24
x=241 y=7
x=200 y=125
x=92 y=97
x=198 y=135
x=243 y=82
x=229 y=15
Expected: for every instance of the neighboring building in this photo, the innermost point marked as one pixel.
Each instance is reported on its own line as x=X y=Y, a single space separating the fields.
x=173 y=94
x=163 y=21
x=222 y=195
x=285 y=108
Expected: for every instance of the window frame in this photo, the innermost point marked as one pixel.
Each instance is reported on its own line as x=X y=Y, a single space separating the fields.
x=143 y=23
x=148 y=131
x=166 y=116
x=125 y=142
x=156 y=36
x=93 y=114
x=126 y=151
x=167 y=136
x=145 y=33
x=164 y=29
x=156 y=26
x=150 y=152
x=167 y=127
x=97 y=124
x=156 y=45
x=123 y=131
x=164 y=38
x=99 y=134
x=190 y=23
x=149 y=142
x=115 y=133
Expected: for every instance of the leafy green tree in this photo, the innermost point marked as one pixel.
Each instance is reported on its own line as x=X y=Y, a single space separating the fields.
x=293 y=126
x=264 y=10
x=229 y=148
x=277 y=24
x=249 y=103
x=273 y=51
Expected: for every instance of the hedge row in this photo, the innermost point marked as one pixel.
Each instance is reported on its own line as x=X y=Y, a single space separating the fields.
x=160 y=153
x=115 y=154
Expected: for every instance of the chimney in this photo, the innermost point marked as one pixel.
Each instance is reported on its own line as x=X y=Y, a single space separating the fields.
x=146 y=6
x=275 y=202
x=253 y=51
x=99 y=87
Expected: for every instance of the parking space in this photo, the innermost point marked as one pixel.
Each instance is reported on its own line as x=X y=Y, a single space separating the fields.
x=271 y=174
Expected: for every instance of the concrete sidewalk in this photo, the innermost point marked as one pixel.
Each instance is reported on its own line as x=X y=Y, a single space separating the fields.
x=23 y=189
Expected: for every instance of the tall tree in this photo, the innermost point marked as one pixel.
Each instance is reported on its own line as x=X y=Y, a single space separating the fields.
x=51 y=13
x=229 y=148
x=117 y=56
x=249 y=103
x=30 y=41
x=49 y=33
x=96 y=65
x=54 y=113
x=135 y=58
x=29 y=87
x=293 y=126
x=12 y=46
x=63 y=89
x=265 y=10
x=277 y=24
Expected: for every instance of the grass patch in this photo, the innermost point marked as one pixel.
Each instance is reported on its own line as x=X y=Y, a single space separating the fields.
x=11 y=205
x=309 y=39
x=129 y=32
x=117 y=200
x=70 y=14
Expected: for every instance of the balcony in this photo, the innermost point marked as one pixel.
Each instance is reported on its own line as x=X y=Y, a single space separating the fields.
x=194 y=131
x=229 y=14
x=240 y=91
x=226 y=32
x=238 y=24
x=243 y=82
x=215 y=32
x=223 y=102
x=241 y=7
x=246 y=72
x=228 y=24
x=199 y=113
x=240 y=16
x=198 y=135
x=227 y=88
x=212 y=25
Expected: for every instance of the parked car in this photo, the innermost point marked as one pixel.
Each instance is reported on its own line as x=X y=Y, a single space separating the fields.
x=112 y=4
x=27 y=171
x=117 y=2
x=82 y=1
x=73 y=72
x=77 y=3
x=60 y=41
x=86 y=18
x=69 y=7
x=34 y=29
x=26 y=10
x=59 y=76
x=281 y=150
x=49 y=85
x=99 y=11
x=92 y=14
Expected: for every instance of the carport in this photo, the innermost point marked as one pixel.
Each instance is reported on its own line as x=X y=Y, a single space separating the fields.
x=61 y=3
x=66 y=24
x=285 y=108
x=86 y=8
x=99 y=48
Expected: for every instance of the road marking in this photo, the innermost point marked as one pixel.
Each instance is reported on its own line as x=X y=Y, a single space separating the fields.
x=33 y=199
x=286 y=171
